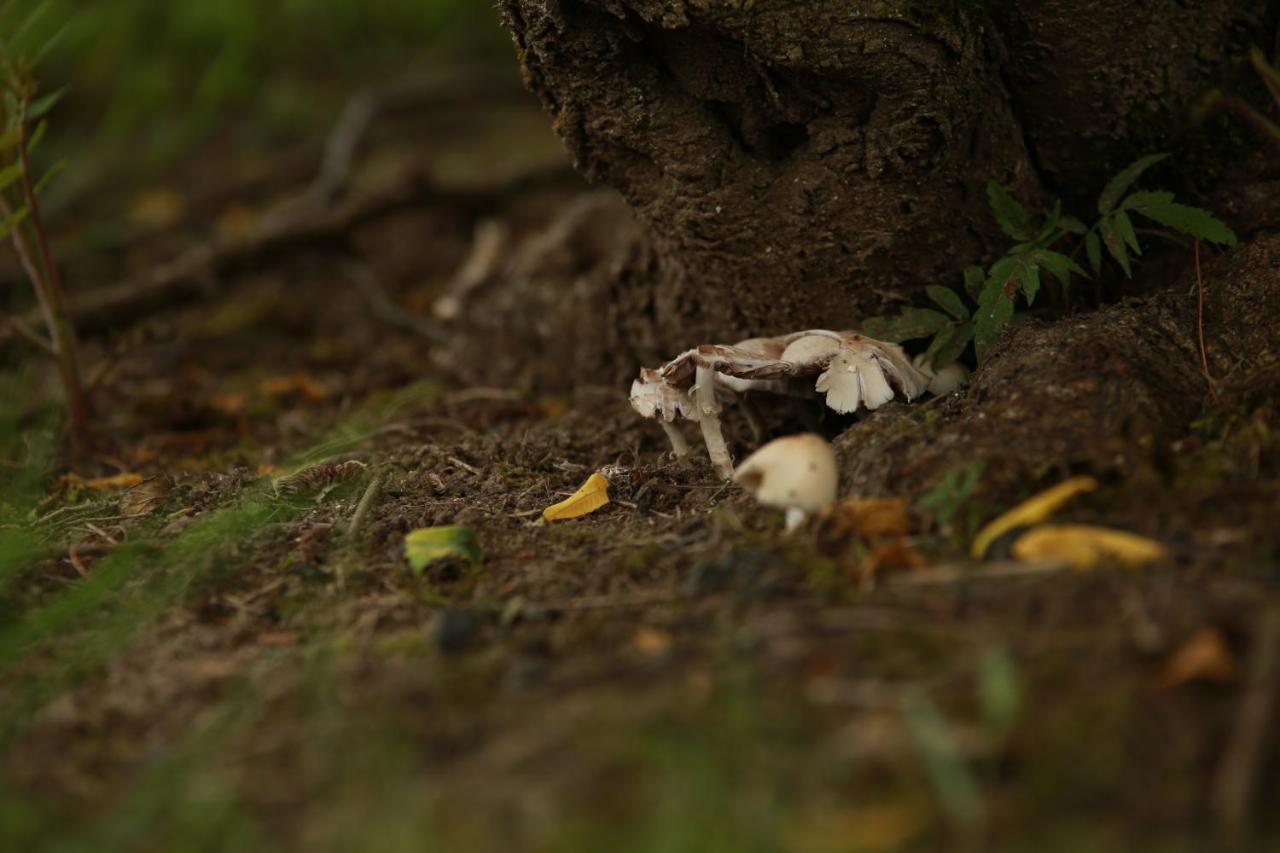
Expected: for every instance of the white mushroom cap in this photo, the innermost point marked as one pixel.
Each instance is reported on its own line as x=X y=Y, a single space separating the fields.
x=810 y=347
x=944 y=380
x=652 y=397
x=797 y=473
x=854 y=379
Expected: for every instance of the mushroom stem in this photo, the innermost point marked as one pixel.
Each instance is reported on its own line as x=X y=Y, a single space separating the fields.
x=709 y=419
x=716 y=448
x=795 y=518
x=679 y=447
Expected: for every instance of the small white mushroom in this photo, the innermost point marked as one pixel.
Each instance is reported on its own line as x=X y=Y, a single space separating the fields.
x=796 y=473
x=944 y=380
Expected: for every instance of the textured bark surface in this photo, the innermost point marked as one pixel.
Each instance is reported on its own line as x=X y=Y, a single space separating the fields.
x=808 y=163
x=1104 y=392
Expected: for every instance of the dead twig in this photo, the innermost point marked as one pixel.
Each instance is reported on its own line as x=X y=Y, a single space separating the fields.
x=487 y=246
x=367 y=501
x=948 y=575
x=463 y=465
x=364 y=108
x=384 y=307
x=24 y=331
x=1237 y=776
x=74 y=558
x=1204 y=354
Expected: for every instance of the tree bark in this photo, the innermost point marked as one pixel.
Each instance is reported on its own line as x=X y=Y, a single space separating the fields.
x=802 y=164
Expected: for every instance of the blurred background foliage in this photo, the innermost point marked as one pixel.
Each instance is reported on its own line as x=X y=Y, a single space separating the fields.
x=149 y=79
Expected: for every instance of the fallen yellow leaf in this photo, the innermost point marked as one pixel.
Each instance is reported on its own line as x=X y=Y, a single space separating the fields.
x=593 y=494
x=116 y=481
x=425 y=545
x=652 y=642
x=1031 y=511
x=296 y=383
x=1203 y=657
x=1084 y=545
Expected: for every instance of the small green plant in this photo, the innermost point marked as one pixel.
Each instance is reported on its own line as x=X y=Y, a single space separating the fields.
x=994 y=293
x=22 y=110
x=947 y=498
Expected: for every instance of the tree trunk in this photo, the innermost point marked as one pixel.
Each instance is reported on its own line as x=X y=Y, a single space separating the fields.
x=808 y=164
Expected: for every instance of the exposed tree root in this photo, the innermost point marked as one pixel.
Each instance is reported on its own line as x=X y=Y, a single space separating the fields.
x=200 y=268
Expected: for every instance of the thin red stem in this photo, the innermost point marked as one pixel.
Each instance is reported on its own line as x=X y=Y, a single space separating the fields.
x=1204 y=355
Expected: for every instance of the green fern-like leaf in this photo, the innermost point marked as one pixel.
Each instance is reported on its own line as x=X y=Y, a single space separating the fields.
x=910 y=324
x=1124 y=228
x=1093 y=248
x=1009 y=212
x=1115 y=245
x=1119 y=185
x=948 y=300
x=948 y=345
x=995 y=310
x=1192 y=221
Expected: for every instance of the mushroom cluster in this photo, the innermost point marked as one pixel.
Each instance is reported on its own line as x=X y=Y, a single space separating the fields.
x=852 y=372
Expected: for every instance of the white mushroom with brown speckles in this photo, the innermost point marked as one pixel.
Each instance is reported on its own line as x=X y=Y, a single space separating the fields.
x=797 y=473
x=853 y=372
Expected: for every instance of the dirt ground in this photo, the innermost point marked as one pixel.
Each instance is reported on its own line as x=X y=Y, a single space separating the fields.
x=206 y=656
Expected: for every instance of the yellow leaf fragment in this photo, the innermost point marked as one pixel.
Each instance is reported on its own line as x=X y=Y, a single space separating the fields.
x=424 y=546
x=593 y=494
x=1085 y=546
x=651 y=642
x=1031 y=511
x=1203 y=657
x=116 y=481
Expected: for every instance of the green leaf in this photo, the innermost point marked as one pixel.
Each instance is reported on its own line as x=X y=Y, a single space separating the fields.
x=1072 y=225
x=1011 y=215
x=1124 y=228
x=995 y=309
x=10 y=138
x=33 y=17
x=39 y=107
x=999 y=692
x=948 y=345
x=50 y=43
x=1093 y=248
x=1060 y=266
x=1183 y=218
x=1050 y=223
x=1270 y=77
x=1027 y=275
x=10 y=175
x=13 y=220
x=949 y=300
x=36 y=136
x=1120 y=184
x=56 y=169
x=974 y=278
x=1114 y=245
x=911 y=323
x=424 y=546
